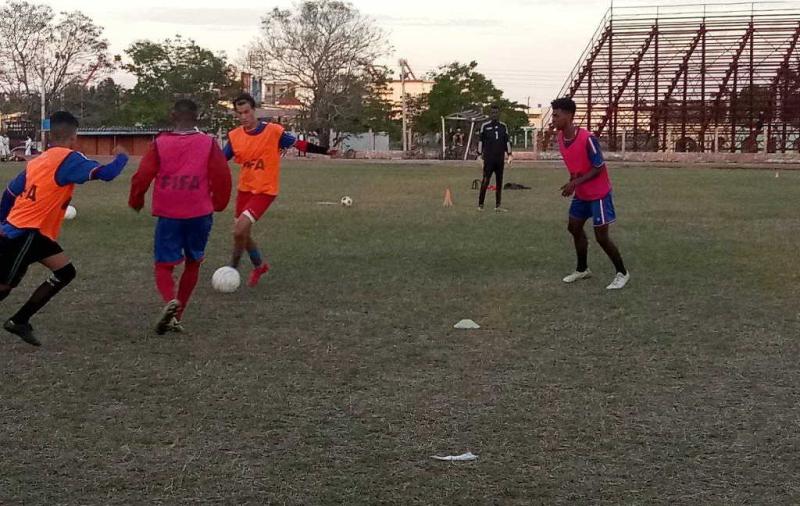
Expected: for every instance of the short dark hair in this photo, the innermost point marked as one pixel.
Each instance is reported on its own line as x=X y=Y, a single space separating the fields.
x=564 y=104
x=244 y=98
x=63 y=125
x=185 y=109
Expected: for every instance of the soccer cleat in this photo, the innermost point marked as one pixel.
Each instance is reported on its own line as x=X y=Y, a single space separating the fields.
x=577 y=275
x=500 y=210
x=23 y=330
x=175 y=326
x=619 y=282
x=166 y=316
x=255 y=276
x=480 y=208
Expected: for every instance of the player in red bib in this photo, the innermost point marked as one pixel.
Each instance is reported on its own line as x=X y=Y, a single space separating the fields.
x=192 y=182
x=591 y=187
x=256 y=146
x=32 y=211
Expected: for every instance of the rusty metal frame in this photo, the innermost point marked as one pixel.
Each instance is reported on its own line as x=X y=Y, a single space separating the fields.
x=685 y=68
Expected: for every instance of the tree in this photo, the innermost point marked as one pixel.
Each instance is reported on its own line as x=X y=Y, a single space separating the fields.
x=327 y=48
x=173 y=69
x=96 y=105
x=750 y=103
x=365 y=108
x=36 y=47
x=789 y=93
x=460 y=87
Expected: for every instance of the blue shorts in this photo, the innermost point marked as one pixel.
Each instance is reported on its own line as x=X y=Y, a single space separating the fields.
x=601 y=211
x=177 y=240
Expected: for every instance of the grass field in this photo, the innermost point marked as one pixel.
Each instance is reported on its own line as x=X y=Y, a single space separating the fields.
x=335 y=381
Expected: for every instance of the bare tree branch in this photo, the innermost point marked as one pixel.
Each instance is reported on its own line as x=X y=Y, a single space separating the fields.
x=327 y=48
x=37 y=47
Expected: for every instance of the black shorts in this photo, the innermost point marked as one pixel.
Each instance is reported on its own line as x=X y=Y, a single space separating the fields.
x=493 y=167
x=18 y=253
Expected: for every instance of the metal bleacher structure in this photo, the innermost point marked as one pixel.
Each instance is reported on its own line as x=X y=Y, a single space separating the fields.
x=692 y=77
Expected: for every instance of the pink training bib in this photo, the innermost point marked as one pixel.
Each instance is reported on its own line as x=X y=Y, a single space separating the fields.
x=181 y=187
x=578 y=163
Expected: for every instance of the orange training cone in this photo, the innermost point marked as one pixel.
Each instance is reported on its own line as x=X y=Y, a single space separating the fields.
x=448 y=198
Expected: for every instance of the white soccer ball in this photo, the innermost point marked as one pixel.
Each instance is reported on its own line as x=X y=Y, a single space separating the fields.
x=346 y=201
x=226 y=280
x=70 y=213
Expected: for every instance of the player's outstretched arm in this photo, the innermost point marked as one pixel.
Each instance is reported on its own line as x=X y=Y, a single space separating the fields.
x=140 y=182
x=110 y=171
x=308 y=147
x=288 y=140
x=77 y=169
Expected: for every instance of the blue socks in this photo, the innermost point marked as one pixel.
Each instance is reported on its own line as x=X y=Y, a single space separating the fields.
x=255 y=257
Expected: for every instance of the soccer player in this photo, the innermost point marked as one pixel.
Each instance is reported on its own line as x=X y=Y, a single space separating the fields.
x=591 y=186
x=192 y=181
x=32 y=211
x=256 y=146
x=493 y=146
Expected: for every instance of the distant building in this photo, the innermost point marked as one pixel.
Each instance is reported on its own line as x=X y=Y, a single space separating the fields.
x=535 y=115
x=267 y=91
x=286 y=116
x=272 y=92
x=101 y=141
x=414 y=88
x=17 y=126
x=289 y=103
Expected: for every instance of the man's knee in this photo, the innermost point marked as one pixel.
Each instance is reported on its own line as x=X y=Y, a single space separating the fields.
x=241 y=231
x=63 y=276
x=601 y=235
x=575 y=228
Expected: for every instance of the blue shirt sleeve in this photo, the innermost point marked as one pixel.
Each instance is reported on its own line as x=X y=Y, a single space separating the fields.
x=77 y=169
x=14 y=190
x=228 y=150
x=595 y=153
x=287 y=140
x=17 y=185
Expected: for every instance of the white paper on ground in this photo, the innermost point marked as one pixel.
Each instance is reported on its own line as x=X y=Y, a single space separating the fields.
x=457 y=458
x=466 y=324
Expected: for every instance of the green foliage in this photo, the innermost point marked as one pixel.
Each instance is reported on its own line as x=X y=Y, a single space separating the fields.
x=94 y=106
x=460 y=87
x=789 y=93
x=172 y=69
x=364 y=108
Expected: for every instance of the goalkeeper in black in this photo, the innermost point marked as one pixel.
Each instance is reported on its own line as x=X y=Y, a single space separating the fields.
x=493 y=146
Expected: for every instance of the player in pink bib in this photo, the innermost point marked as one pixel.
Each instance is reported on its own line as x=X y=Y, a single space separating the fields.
x=590 y=189
x=192 y=181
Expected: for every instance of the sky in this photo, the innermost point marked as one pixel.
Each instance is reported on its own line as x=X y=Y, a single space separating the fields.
x=527 y=47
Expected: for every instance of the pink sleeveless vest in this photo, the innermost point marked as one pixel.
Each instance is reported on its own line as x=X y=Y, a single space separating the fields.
x=578 y=163
x=181 y=187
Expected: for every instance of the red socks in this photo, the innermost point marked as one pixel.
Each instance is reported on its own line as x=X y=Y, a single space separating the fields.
x=164 y=281
x=166 y=284
x=191 y=273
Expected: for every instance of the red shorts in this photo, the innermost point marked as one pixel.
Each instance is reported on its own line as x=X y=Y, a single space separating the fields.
x=253 y=205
